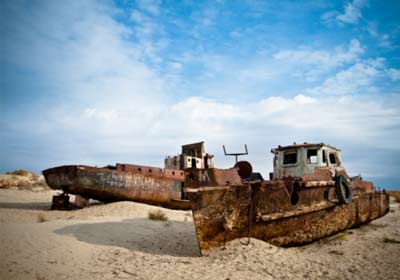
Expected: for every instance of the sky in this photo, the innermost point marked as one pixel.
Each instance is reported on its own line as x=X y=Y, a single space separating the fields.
x=99 y=82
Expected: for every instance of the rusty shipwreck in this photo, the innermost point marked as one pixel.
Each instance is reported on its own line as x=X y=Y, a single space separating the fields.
x=308 y=196
x=145 y=184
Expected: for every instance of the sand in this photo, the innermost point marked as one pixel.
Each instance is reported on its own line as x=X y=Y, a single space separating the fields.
x=118 y=241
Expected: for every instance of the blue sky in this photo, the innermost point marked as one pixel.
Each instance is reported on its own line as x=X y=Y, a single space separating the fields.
x=99 y=82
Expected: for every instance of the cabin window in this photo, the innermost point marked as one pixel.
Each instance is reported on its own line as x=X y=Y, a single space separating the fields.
x=323 y=156
x=332 y=158
x=290 y=157
x=312 y=156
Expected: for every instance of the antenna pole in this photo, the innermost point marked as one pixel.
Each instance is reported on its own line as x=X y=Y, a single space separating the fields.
x=236 y=154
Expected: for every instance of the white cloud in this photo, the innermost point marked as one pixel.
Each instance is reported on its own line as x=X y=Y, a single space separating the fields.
x=384 y=40
x=258 y=72
x=150 y=36
x=276 y=104
x=351 y=15
x=109 y=105
x=312 y=63
x=150 y=6
x=372 y=29
x=329 y=17
x=95 y=114
x=138 y=17
x=356 y=79
x=302 y=100
x=329 y=59
x=145 y=26
x=352 y=12
x=193 y=119
x=394 y=74
x=176 y=65
x=263 y=124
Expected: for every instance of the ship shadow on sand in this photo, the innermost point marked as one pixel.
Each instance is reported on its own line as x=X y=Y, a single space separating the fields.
x=174 y=238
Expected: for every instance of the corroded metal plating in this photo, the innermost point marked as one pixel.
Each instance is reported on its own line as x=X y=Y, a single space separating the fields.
x=222 y=214
x=139 y=183
x=126 y=182
x=287 y=210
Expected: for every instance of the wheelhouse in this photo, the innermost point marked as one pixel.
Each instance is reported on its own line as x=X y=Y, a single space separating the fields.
x=299 y=159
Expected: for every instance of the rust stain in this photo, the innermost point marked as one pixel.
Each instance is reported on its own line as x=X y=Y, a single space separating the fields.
x=299 y=205
x=309 y=194
x=147 y=184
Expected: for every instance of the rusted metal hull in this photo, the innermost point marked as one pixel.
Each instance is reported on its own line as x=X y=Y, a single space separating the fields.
x=126 y=182
x=264 y=211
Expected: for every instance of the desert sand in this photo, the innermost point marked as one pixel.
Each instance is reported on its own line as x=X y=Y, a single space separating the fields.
x=118 y=241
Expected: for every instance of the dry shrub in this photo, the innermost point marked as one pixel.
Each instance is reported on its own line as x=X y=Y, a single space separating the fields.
x=157 y=215
x=21 y=172
x=22 y=179
x=338 y=253
x=395 y=195
x=41 y=218
x=14 y=181
x=390 y=240
x=341 y=236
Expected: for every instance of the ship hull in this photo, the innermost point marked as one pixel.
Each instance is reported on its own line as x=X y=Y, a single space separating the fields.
x=225 y=213
x=126 y=182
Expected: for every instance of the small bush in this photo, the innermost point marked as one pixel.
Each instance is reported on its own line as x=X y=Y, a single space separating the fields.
x=341 y=236
x=338 y=253
x=22 y=179
x=395 y=195
x=157 y=215
x=20 y=172
x=41 y=218
x=390 y=240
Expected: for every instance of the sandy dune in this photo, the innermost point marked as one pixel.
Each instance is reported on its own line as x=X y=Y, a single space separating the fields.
x=118 y=241
x=23 y=179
